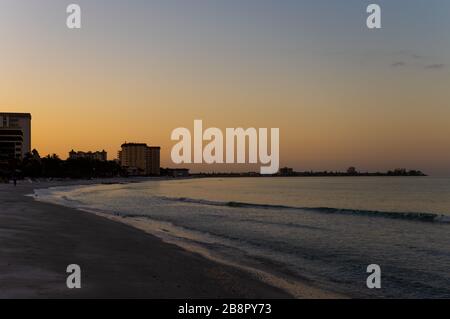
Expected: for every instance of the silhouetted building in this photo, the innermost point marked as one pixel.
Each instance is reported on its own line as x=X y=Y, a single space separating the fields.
x=153 y=160
x=175 y=172
x=140 y=159
x=15 y=135
x=99 y=156
x=286 y=171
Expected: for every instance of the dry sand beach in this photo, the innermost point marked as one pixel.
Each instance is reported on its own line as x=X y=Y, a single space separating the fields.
x=38 y=241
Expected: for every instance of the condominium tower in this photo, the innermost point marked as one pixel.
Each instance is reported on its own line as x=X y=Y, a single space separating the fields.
x=140 y=159
x=15 y=135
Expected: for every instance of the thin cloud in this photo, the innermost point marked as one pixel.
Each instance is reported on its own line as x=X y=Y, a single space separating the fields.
x=417 y=56
x=398 y=64
x=436 y=66
x=411 y=59
x=407 y=54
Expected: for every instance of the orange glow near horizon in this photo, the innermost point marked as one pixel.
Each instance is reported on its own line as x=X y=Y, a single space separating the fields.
x=102 y=86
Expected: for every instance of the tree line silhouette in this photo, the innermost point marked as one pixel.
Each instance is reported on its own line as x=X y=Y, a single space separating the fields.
x=51 y=166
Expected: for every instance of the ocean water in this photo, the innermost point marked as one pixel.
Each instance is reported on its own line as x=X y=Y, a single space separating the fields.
x=319 y=231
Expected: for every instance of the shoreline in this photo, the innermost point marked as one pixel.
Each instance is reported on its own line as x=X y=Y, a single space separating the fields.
x=292 y=287
x=37 y=237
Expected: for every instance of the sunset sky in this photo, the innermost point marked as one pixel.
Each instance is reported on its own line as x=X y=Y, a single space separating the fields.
x=342 y=95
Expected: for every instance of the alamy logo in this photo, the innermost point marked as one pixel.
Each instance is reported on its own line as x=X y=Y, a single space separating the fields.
x=74 y=19
x=374 y=19
x=235 y=142
x=374 y=280
x=74 y=279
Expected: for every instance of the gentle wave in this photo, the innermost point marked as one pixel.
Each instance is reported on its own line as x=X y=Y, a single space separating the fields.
x=413 y=216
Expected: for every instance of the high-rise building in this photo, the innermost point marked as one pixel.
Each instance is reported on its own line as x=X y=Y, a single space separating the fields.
x=97 y=156
x=140 y=159
x=153 y=160
x=15 y=135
